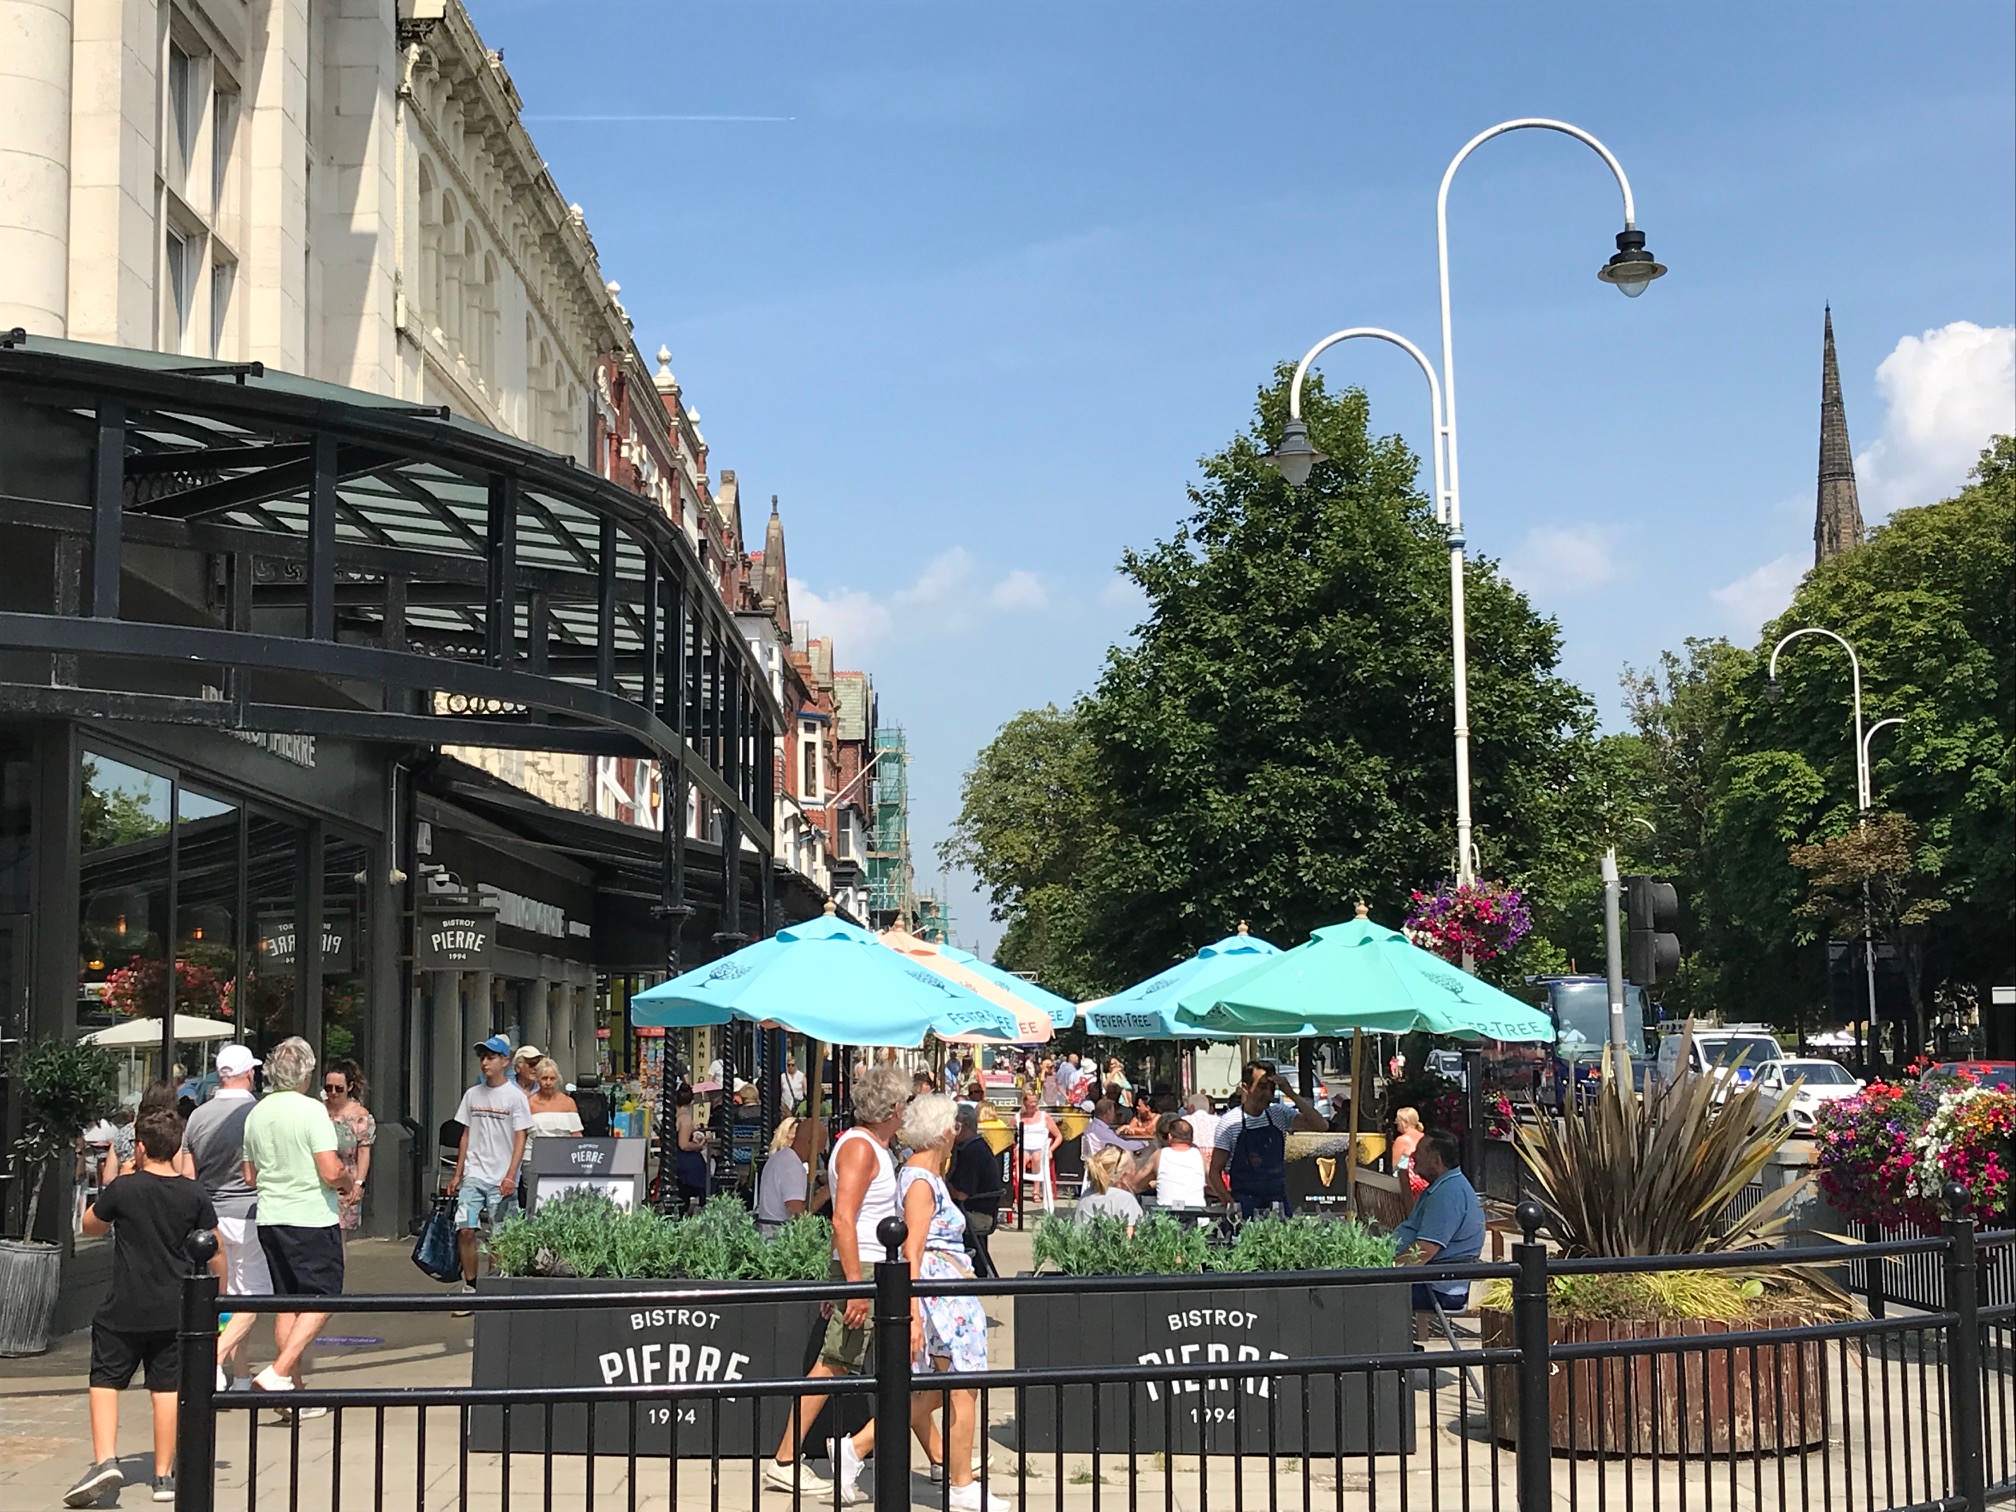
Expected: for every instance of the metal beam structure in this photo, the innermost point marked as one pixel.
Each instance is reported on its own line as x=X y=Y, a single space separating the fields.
x=355 y=567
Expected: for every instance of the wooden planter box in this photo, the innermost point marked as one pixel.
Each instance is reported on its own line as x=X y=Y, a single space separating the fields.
x=649 y=1345
x=1709 y=1400
x=1300 y=1415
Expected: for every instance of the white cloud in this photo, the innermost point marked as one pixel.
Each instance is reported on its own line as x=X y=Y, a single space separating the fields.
x=944 y=579
x=1946 y=392
x=1760 y=595
x=1565 y=558
x=1123 y=593
x=947 y=597
x=1020 y=590
x=860 y=623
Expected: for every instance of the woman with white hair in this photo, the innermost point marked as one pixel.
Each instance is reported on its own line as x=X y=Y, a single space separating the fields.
x=946 y=1333
x=862 y=1176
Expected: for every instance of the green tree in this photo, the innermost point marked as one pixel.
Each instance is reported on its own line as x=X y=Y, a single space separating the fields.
x=1277 y=742
x=1736 y=781
x=1878 y=874
x=112 y=816
x=1030 y=817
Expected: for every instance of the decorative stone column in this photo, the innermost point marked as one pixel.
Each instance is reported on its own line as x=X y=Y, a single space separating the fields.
x=35 y=66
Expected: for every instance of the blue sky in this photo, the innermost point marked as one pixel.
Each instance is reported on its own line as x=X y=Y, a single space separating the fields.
x=984 y=281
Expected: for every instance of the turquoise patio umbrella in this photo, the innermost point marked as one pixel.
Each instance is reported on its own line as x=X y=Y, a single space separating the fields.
x=1062 y=1010
x=1360 y=976
x=829 y=980
x=1147 y=1010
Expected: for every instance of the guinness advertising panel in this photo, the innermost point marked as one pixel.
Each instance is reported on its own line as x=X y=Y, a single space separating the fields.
x=455 y=938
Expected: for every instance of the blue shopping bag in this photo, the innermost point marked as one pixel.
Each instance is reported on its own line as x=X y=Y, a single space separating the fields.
x=436 y=1251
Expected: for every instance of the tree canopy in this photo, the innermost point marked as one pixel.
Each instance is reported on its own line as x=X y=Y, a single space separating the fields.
x=1737 y=782
x=1277 y=741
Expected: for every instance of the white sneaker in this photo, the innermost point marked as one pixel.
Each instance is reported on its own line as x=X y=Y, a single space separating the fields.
x=800 y=1478
x=223 y=1380
x=970 y=1498
x=847 y=1472
x=937 y=1471
x=468 y=1290
x=269 y=1380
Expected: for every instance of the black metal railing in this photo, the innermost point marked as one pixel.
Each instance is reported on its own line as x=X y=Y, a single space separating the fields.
x=1140 y=1393
x=1917 y=1280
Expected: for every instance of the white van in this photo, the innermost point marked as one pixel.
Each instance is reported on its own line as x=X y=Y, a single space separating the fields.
x=1717 y=1051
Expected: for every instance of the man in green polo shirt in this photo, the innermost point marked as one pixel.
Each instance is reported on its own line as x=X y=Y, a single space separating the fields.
x=291 y=1159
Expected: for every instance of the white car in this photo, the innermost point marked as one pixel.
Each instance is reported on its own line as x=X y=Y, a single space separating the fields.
x=1819 y=1082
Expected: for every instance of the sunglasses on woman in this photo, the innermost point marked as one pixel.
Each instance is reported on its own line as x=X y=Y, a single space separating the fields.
x=335 y=1086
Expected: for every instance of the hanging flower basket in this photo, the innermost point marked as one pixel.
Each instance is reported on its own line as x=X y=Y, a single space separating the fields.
x=1886 y=1155
x=139 y=989
x=1486 y=919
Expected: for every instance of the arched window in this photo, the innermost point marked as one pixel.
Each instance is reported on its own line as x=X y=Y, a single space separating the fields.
x=449 y=311
x=472 y=295
x=428 y=293
x=488 y=337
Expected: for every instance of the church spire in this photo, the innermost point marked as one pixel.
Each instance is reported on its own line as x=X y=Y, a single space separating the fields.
x=1837 y=519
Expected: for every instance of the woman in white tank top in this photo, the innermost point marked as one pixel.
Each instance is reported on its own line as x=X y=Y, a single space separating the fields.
x=877 y=1203
x=1176 y=1171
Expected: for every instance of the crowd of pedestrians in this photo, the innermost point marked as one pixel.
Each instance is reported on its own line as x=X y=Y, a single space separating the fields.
x=271 y=1178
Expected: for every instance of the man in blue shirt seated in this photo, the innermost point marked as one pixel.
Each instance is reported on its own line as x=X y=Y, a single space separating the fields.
x=1447 y=1223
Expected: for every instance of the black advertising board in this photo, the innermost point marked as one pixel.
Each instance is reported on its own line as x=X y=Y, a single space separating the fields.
x=613 y=1167
x=280 y=947
x=456 y=938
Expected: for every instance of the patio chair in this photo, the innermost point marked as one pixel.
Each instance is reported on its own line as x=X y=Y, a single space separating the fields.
x=1440 y=1317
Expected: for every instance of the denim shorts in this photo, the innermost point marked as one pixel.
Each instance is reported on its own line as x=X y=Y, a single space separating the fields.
x=477 y=1200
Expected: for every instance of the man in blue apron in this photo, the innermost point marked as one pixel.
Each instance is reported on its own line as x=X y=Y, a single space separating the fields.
x=1249 y=1151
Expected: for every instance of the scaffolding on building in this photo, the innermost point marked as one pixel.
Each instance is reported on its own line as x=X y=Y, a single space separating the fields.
x=892 y=900
x=934 y=919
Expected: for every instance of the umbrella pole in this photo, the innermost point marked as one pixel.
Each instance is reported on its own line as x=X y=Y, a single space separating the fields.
x=1351 y=1136
x=817 y=1113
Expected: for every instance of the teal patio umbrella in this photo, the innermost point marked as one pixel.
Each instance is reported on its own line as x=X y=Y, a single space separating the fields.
x=829 y=980
x=1147 y=1010
x=1359 y=976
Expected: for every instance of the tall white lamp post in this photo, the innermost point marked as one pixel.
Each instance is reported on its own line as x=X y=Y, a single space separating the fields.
x=1629 y=270
x=1864 y=785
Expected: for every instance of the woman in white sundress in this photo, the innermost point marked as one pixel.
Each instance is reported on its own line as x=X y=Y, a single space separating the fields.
x=947 y=1334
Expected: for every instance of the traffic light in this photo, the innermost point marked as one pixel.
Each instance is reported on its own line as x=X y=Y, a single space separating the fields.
x=1654 y=908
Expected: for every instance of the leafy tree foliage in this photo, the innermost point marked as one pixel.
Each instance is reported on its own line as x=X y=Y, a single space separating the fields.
x=1737 y=782
x=1874 y=874
x=1276 y=743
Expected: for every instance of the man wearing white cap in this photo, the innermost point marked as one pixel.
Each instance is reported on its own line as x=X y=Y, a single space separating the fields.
x=522 y=1063
x=215 y=1140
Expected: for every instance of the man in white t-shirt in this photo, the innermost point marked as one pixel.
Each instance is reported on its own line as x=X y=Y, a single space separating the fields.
x=495 y=1119
x=1203 y=1123
x=1249 y=1151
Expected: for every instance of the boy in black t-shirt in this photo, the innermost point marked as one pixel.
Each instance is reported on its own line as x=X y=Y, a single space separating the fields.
x=149 y=1214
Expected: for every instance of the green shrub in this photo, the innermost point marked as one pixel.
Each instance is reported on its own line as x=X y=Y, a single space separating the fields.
x=585 y=1234
x=1163 y=1245
x=1272 y=1243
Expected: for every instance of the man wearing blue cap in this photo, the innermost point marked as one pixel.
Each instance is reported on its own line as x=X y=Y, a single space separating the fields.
x=494 y=1117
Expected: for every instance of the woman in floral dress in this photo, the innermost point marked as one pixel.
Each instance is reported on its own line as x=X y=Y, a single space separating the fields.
x=946 y=1333
x=356 y=1131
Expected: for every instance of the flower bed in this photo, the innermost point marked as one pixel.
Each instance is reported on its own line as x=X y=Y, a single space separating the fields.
x=1885 y=1155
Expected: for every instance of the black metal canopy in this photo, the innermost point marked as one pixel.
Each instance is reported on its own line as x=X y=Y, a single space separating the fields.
x=213 y=543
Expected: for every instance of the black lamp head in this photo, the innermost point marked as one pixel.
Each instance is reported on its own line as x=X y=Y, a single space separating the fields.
x=1632 y=268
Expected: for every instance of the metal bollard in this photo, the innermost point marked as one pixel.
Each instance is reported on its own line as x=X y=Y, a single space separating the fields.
x=892 y=1370
x=195 y=1410
x=1963 y=1374
x=1535 y=1455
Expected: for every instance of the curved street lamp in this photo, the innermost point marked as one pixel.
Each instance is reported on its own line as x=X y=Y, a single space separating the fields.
x=1629 y=270
x=1865 y=797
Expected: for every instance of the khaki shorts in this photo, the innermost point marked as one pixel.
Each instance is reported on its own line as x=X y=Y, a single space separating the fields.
x=845 y=1349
